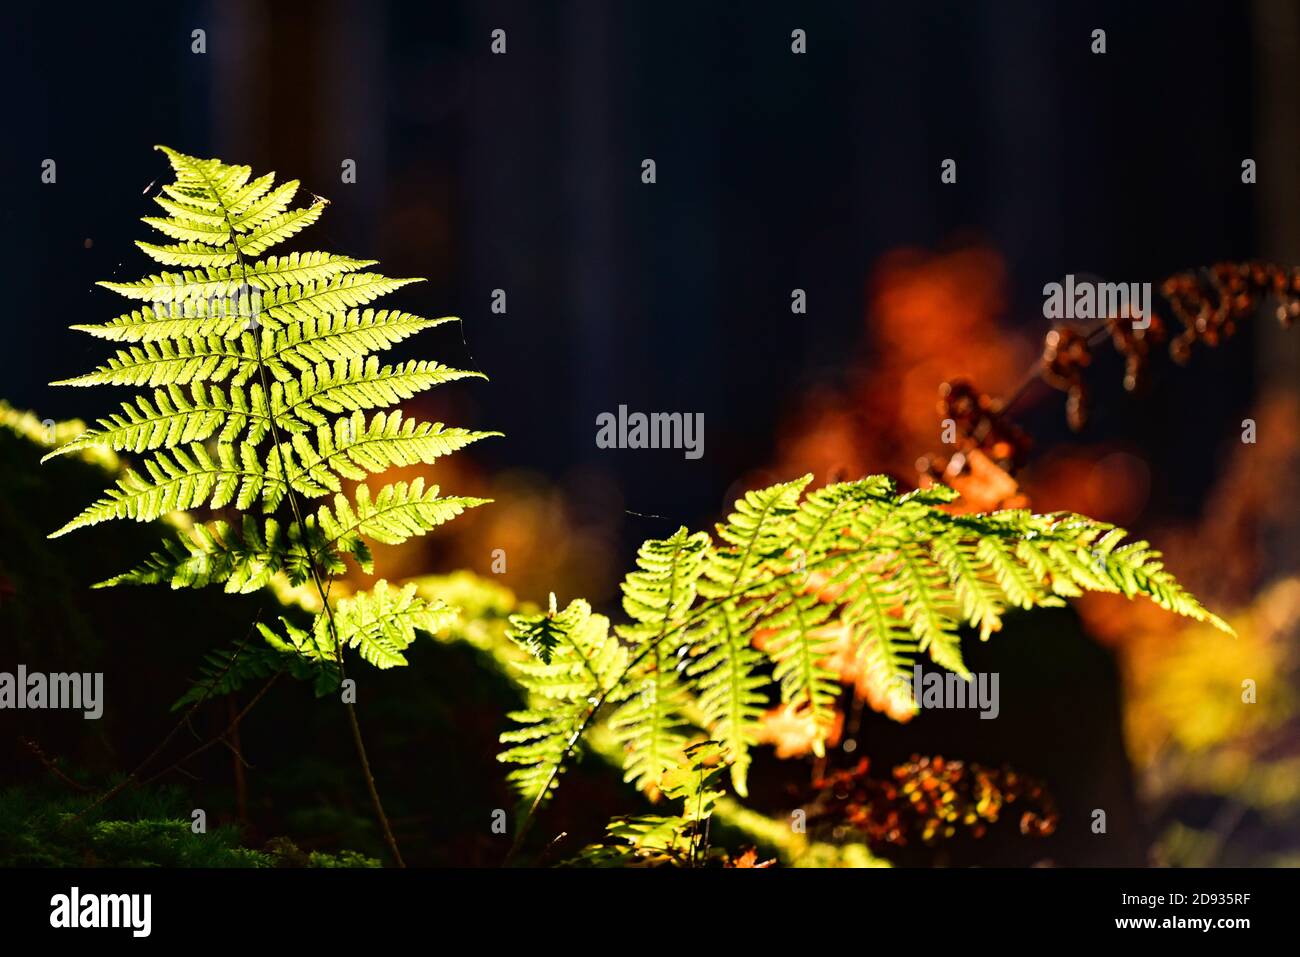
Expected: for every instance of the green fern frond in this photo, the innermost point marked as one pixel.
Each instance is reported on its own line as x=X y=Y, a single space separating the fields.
x=335 y=337
x=758 y=531
x=351 y=449
x=797 y=650
x=262 y=385
x=898 y=574
x=574 y=663
x=354 y=384
x=193 y=317
x=178 y=480
x=244 y=560
x=883 y=640
x=654 y=597
x=380 y=623
x=178 y=319
x=170 y=419
x=168 y=363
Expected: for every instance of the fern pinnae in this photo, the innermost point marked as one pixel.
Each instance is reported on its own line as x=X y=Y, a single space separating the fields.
x=656 y=596
x=270 y=273
x=164 y=363
x=195 y=316
x=883 y=641
x=796 y=650
x=754 y=532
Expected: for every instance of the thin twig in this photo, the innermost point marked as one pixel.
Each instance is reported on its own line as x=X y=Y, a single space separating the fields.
x=216 y=739
x=53 y=768
x=162 y=745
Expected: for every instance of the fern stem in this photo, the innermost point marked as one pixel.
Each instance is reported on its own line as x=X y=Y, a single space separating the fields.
x=357 y=740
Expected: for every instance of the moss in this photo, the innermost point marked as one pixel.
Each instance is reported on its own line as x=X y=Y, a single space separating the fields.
x=150 y=828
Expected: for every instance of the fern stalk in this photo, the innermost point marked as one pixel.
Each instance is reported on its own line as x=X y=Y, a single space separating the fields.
x=357 y=741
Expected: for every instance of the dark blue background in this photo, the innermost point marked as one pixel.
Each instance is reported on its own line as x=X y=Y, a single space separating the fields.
x=522 y=172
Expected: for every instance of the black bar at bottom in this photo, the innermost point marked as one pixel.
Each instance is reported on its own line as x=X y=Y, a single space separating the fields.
x=334 y=906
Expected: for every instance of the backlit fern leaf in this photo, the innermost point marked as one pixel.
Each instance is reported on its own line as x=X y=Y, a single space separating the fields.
x=758 y=531
x=252 y=243
x=352 y=384
x=171 y=417
x=351 y=449
x=398 y=512
x=654 y=597
x=260 y=377
x=229 y=312
x=381 y=622
x=897 y=575
x=573 y=665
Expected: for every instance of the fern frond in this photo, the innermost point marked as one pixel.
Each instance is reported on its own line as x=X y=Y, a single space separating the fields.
x=252 y=217
x=168 y=362
x=171 y=419
x=655 y=596
x=301 y=346
x=198 y=254
x=192 y=317
x=354 y=384
x=260 y=372
x=758 y=531
x=884 y=642
x=574 y=663
x=673 y=840
x=898 y=574
x=797 y=649
x=326 y=297
x=176 y=480
x=227 y=670
x=177 y=319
